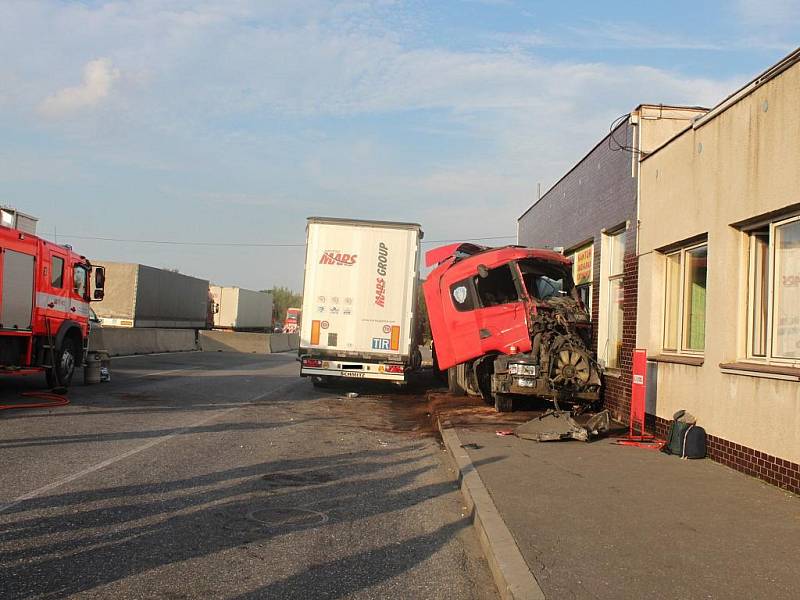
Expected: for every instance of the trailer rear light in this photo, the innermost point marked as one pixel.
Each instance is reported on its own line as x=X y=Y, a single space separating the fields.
x=312 y=363
x=394 y=369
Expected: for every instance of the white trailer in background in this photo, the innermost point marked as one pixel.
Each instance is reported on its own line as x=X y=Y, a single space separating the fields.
x=359 y=300
x=240 y=309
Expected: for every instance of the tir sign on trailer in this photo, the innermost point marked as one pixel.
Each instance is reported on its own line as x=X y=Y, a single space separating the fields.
x=359 y=299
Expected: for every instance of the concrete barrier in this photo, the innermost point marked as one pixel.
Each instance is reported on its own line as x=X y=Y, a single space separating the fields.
x=294 y=341
x=234 y=341
x=120 y=341
x=280 y=342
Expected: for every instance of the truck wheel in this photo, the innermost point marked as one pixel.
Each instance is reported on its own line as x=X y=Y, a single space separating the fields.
x=320 y=381
x=503 y=403
x=66 y=361
x=452 y=382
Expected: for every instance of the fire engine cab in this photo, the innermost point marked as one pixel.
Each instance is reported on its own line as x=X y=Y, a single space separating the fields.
x=44 y=306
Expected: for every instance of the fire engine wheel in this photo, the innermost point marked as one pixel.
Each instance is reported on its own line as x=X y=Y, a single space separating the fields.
x=66 y=361
x=503 y=403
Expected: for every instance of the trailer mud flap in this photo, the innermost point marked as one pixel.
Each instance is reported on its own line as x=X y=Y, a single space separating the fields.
x=556 y=425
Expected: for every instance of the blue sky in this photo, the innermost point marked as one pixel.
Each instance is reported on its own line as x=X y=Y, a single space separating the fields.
x=233 y=121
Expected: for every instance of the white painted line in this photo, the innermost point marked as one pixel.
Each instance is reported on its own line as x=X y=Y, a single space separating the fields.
x=113 y=358
x=114 y=459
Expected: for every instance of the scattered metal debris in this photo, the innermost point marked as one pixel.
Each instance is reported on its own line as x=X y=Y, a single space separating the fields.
x=559 y=425
x=471 y=446
x=504 y=432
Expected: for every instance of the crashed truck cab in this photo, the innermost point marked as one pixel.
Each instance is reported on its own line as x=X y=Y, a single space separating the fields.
x=508 y=321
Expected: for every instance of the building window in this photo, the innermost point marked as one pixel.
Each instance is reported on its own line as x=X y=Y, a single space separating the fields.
x=773 y=331
x=685 y=299
x=614 y=257
x=582 y=271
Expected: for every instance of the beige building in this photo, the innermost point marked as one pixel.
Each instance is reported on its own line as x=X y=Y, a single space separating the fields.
x=719 y=275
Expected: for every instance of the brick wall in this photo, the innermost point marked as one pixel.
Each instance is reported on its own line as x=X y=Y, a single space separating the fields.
x=598 y=193
x=773 y=470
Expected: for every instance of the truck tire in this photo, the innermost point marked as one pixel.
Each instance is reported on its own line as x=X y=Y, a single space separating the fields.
x=66 y=360
x=452 y=382
x=320 y=381
x=503 y=403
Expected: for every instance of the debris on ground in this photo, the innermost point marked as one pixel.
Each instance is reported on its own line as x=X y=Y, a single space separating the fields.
x=504 y=432
x=556 y=425
x=471 y=446
x=352 y=394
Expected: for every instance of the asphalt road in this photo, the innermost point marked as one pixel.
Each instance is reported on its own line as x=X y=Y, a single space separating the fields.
x=226 y=476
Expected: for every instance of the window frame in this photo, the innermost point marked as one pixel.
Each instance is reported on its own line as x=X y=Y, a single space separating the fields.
x=680 y=346
x=75 y=268
x=769 y=357
x=53 y=258
x=614 y=241
x=515 y=280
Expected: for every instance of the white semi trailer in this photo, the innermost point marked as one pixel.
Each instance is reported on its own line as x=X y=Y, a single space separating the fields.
x=359 y=317
x=240 y=309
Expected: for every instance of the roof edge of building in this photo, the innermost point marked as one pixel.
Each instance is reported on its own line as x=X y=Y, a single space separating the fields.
x=638 y=108
x=572 y=168
x=762 y=78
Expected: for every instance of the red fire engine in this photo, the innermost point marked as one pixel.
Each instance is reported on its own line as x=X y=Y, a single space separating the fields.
x=44 y=306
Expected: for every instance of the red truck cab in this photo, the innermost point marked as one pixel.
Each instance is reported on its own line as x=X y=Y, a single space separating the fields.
x=44 y=306
x=510 y=320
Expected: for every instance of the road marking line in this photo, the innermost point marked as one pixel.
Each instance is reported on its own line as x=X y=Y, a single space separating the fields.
x=137 y=450
x=154 y=354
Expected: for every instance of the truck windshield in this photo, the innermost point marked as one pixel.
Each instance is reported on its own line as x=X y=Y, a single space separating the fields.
x=545 y=280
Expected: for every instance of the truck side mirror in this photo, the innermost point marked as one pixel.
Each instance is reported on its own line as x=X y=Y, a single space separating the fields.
x=483 y=271
x=99 y=278
x=99 y=294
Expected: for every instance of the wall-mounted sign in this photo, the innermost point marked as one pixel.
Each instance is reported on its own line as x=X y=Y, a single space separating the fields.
x=583 y=265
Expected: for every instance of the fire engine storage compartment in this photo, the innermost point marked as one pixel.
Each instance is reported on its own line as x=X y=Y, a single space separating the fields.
x=240 y=309
x=359 y=300
x=141 y=296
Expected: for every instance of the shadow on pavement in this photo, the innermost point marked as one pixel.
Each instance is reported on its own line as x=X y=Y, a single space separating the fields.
x=94 y=538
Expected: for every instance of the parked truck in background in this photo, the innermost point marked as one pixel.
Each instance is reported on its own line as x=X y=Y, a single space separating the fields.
x=292 y=322
x=240 y=309
x=142 y=296
x=359 y=300
x=508 y=321
x=44 y=305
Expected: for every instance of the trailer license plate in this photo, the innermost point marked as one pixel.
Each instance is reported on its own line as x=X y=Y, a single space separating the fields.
x=352 y=373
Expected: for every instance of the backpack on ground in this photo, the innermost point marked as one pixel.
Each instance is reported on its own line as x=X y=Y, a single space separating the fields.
x=682 y=421
x=694 y=443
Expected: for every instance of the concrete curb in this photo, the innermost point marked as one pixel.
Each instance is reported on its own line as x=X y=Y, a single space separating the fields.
x=511 y=574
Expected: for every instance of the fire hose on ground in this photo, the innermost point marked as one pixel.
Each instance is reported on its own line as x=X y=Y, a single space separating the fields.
x=51 y=400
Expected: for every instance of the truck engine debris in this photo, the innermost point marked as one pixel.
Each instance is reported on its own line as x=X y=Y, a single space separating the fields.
x=508 y=322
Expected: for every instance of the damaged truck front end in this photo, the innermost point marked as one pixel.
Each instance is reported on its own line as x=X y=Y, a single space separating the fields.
x=508 y=321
